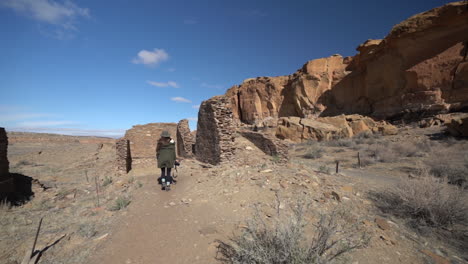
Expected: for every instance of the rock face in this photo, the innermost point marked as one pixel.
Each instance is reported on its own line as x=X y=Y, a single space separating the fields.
x=268 y=144
x=185 y=139
x=326 y=128
x=28 y=137
x=124 y=158
x=143 y=140
x=215 y=131
x=399 y=76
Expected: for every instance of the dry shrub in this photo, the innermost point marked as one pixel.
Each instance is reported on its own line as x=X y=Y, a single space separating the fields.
x=314 y=153
x=450 y=164
x=341 y=143
x=383 y=154
x=286 y=239
x=366 y=138
x=407 y=149
x=426 y=199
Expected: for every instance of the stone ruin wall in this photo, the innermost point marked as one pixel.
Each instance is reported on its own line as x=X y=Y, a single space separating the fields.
x=143 y=139
x=185 y=139
x=215 y=131
x=124 y=159
x=269 y=144
x=5 y=179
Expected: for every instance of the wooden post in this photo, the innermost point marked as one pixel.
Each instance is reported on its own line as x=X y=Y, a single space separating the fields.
x=97 y=190
x=37 y=235
x=359 y=161
x=337 y=166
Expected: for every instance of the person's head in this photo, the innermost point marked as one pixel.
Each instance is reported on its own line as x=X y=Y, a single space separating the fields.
x=165 y=134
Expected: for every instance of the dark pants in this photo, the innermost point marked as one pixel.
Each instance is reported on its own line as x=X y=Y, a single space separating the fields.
x=166 y=174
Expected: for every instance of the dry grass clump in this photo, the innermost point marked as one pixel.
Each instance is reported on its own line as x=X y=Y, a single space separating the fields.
x=426 y=199
x=349 y=143
x=450 y=164
x=120 y=204
x=293 y=239
x=383 y=154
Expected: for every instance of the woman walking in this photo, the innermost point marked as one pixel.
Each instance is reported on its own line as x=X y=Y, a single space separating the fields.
x=166 y=156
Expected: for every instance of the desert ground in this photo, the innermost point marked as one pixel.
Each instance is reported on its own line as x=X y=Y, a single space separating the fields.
x=210 y=206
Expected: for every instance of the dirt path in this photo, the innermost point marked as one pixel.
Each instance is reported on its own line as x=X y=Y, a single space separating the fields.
x=164 y=227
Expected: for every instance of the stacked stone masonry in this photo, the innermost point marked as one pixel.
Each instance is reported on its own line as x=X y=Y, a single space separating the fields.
x=124 y=159
x=143 y=140
x=185 y=139
x=215 y=131
x=268 y=143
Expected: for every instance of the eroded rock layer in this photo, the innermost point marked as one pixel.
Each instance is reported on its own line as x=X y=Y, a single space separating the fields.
x=420 y=68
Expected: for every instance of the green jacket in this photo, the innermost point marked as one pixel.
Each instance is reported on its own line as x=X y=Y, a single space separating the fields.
x=166 y=155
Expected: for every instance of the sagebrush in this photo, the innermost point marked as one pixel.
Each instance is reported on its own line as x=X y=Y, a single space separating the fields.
x=293 y=239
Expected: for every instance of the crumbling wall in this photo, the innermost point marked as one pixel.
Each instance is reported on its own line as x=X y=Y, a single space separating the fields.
x=268 y=143
x=143 y=140
x=3 y=152
x=215 y=131
x=6 y=181
x=185 y=139
x=124 y=159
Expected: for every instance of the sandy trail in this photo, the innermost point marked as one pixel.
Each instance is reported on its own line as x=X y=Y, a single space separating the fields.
x=159 y=228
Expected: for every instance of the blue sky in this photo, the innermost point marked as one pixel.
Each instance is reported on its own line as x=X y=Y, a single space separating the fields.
x=88 y=67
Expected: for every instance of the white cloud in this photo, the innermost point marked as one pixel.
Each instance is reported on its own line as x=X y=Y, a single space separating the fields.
x=212 y=86
x=196 y=106
x=180 y=100
x=151 y=58
x=45 y=123
x=164 y=84
x=171 y=70
x=192 y=119
x=62 y=15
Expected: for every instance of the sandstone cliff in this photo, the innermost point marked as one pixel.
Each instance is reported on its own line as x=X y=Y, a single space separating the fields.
x=419 y=68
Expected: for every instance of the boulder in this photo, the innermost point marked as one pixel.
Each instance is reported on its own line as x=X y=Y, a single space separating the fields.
x=458 y=127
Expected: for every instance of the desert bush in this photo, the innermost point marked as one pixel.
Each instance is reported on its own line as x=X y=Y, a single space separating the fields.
x=120 y=204
x=139 y=184
x=366 y=138
x=286 y=239
x=407 y=149
x=383 y=154
x=341 y=143
x=426 y=199
x=87 y=230
x=107 y=181
x=324 y=169
x=314 y=153
x=446 y=163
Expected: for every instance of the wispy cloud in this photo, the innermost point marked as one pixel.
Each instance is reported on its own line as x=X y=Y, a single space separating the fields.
x=212 y=86
x=9 y=117
x=46 y=123
x=63 y=16
x=192 y=119
x=196 y=106
x=171 y=70
x=163 y=84
x=151 y=58
x=114 y=133
x=190 y=21
x=180 y=100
